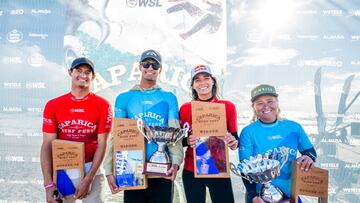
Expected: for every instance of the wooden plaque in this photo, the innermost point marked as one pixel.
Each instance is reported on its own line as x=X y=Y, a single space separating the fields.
x=208 y=119
x=129 y=155
x=211 y=156
x=314 y=183
x=68 y=155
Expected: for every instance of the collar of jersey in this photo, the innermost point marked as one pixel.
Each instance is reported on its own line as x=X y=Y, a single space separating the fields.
x=138 y=87
x=268 y=125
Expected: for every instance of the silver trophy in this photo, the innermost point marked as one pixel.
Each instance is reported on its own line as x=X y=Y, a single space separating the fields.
x=160 y=162
x=263 y=169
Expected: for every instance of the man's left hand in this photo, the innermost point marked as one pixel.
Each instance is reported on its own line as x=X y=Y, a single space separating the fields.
x=171 y=173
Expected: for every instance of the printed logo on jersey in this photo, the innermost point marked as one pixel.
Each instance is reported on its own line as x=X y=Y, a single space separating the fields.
x=47 y=121
x=78 y=123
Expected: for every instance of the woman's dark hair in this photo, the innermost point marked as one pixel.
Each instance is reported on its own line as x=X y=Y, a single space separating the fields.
x=214 y=91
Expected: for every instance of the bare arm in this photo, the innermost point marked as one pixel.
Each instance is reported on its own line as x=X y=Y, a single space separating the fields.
x=46 y=163
x=84 y=186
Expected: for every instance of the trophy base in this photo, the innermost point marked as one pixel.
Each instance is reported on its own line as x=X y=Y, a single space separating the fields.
x=156 y=169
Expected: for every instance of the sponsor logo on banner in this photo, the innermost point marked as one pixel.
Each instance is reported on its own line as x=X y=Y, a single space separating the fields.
x=320 y=62
x=12 y=85
x=351 y=190
x=329 y=165
x=38 y=12
x=309 y=37
x=35 y=85
x=143 y=3
x=14 y=36
x=11 y=109
x=333 y=37
x=35 y=110
x=17 y=12
x=355 y=37
x=12 y=60
x=355 y=62
x=286 y=37
x=354 y=13
x=36 y=60
x=334 y=12
x=38 y=35
x=307 y=12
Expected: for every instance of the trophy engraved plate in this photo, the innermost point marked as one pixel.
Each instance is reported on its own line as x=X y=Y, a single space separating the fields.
x=160 y=161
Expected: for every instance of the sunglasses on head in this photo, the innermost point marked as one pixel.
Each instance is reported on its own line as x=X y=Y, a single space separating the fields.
x=146 y=65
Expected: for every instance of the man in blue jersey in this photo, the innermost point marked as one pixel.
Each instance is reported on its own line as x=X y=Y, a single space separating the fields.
x=157 y=108
x=268 y=133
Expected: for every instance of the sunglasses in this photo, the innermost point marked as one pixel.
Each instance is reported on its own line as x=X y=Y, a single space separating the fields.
x=146 y=65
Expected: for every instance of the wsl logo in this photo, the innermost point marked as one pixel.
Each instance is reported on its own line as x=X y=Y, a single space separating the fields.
x=143 y=3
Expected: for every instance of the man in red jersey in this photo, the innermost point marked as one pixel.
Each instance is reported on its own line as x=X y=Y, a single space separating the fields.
x=79 y=116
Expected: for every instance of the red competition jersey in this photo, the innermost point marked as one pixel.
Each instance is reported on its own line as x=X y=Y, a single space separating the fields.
x=79 y=120
x=185 y=116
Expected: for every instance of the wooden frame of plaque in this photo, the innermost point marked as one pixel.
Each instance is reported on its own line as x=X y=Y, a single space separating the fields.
x=314 y=182
x=68 y=155
x=211 y=154
x=129 y=155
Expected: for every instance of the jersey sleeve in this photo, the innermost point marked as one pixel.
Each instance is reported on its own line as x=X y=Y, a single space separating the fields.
x=231 y=118
x=173 y=107
x=49 y=120
x=246 y=146
x=120 y=106
x=106 y=117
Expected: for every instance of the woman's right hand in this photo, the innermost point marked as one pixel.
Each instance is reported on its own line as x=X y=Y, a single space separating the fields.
x=191 y=140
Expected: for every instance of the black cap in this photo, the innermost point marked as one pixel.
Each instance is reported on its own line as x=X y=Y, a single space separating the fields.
x=152 y=54
x=80 y=61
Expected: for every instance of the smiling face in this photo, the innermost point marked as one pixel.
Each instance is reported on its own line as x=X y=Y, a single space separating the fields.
x=81 y=76
x=148 y=73
x=203 y=85
x=266 y=108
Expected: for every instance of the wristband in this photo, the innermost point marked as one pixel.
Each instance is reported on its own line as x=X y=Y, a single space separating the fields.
x=50 y=185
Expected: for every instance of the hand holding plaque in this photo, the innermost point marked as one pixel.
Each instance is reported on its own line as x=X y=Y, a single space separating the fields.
x=160 y=161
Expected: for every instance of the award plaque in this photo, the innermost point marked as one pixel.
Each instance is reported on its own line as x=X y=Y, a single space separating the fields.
x=211 y=157
x=263 y=169
x=314 y=182
x=160 y=162
x=68 y=165
x=129 y=155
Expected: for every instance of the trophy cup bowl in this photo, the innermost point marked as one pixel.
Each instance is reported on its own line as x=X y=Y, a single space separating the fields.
x=160 y=161
x=263 y=169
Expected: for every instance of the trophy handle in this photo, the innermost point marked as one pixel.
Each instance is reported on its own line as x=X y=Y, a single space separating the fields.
x=235 y=171
x=286 y=154
x=184 y=131
x=140 y=125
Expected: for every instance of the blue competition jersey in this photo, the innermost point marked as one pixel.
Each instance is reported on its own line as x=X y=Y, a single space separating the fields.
x=156 y=107
x=259 y=138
